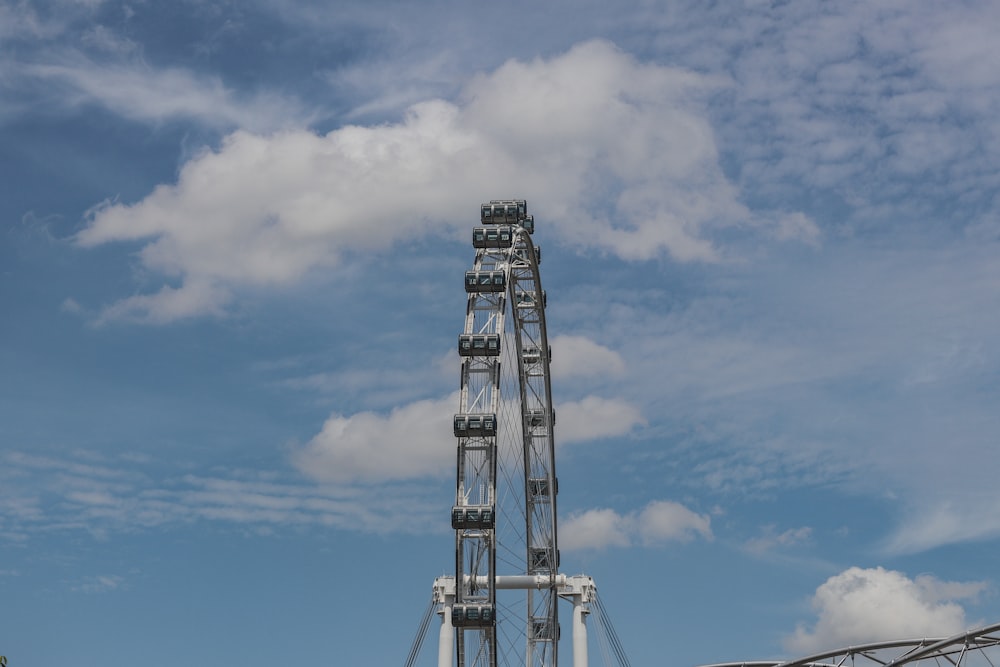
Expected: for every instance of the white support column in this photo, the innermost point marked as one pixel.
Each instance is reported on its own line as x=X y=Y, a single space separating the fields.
x=580 y=612
x=446 y=639
x=444 y=594
x=580 y=590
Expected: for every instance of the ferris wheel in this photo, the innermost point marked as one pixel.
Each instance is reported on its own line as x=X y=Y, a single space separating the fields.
x=506 y=553
x=500 y=608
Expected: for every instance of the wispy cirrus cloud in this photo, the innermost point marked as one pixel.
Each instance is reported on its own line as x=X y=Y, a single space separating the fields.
x=882 y=108
x=863 y=368
x=102 y=496
x=143 y=93
x=770 y=539
x=20 y=21
x=101 y=583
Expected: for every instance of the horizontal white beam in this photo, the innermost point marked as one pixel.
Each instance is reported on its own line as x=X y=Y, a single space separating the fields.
x=582 y=585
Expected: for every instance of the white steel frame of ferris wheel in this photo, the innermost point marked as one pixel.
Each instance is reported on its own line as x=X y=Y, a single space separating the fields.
x=505 y=279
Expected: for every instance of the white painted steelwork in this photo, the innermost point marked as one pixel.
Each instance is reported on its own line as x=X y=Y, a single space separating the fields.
x=504 y=515
x=973 y=648
x=579 y=589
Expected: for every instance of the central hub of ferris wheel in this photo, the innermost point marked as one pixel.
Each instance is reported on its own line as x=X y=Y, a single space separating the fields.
x=501 y=607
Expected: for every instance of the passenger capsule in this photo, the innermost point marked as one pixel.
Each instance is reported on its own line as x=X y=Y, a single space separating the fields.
x=536 y=417
x=501 y=236
x=525 y=299
x=503 y=211
x=532 y=355
x=479 y=345
x=475 y=425
x=473 y=517
x=485 y=281
x=539 y=486
x=529 y=224
x=473 y=615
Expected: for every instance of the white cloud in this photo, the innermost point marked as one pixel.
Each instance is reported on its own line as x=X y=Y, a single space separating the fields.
x=392 y=84
x=46 y=495
x=663 y=520
x=594 y=529
x=594 y=417
x=101 y=583
x=372 y=472
x=865 y=605
x=170 y=303
x=871 y=103
x=577 y=356
x=411 y=441
x=615 y=152
x=392 y=385
x=146 y=94
x=770 y=539
x=865 y=367
x=70 y=306
x=104 y=39
x=659 y=522
x=21 y=21
x=940 y=517
x=414 y=440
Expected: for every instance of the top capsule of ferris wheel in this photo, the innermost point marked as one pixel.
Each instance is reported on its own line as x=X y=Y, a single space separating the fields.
x=504 y=211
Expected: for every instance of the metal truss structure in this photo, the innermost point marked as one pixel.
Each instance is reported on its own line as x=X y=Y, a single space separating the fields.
x=975 y=648
x=501 y=606
x=504 y=514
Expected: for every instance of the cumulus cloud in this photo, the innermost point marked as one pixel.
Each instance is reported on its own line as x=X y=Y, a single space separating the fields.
x=578 y=356
x=594 y=417
x=616 y=153
x=659 y=522
x=411 y=441
x=595 y=529
x=864 y=605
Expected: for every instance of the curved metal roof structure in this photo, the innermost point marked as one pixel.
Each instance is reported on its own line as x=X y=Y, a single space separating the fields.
x=974 y=648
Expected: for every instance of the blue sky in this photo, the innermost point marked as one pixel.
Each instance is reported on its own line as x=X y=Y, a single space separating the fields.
x=233 y=236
